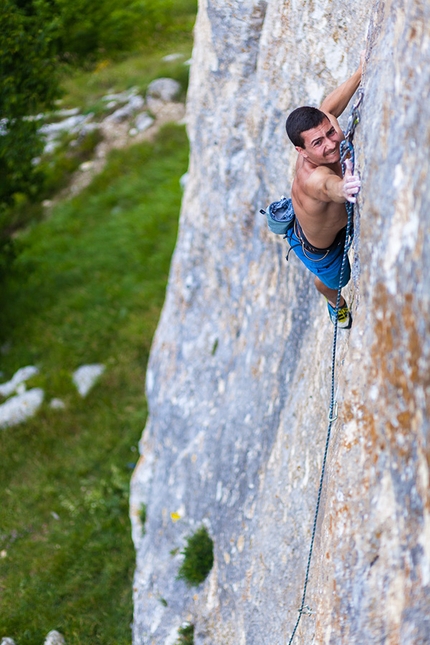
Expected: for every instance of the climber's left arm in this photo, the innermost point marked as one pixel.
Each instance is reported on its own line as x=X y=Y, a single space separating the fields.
x=336 y=102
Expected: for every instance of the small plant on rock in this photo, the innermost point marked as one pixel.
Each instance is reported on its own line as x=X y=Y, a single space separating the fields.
x=186 y=635
x=199 y=558
x=142 y=517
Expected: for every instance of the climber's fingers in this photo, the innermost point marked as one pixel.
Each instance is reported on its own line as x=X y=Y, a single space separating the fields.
x=351 y=183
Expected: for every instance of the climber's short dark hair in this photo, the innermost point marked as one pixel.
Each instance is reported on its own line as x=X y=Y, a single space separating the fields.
x=302 y=119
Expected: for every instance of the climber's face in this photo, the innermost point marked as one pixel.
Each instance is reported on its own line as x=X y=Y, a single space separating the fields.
x=321 y=144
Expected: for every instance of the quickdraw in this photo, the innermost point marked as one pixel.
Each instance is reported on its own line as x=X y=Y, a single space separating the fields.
x=347 y=151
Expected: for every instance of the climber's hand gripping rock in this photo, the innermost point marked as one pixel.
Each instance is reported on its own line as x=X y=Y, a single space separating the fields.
x=351 y=183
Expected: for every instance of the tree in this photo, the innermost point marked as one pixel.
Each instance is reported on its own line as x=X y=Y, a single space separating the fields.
x=29 y=81
x=92 y=29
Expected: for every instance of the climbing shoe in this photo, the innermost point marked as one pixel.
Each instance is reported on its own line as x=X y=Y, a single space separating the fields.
x=344 y=318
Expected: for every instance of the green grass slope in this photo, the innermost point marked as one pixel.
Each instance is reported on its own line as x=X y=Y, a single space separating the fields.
x=87 y=286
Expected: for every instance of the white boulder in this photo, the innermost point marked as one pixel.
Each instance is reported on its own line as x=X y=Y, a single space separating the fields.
x=135 y=104
x=54 y=638
x=171 y=57
x=71 y=124
x=20 y=407
x=143 y=122
x=85 y=377
x=163 y=89
x=57 y=404
x=121 y=97
x=67 y=112
x=22 y=375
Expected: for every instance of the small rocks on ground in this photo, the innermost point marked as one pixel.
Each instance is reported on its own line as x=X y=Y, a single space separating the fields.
x=171 y=57
x=86 y=165
x=74 y=124
x=20 y=407
x=85 y=377
x=143 y=122
x=66 y=125
x=57 y=404
x=55 y=638
x=22 y=375
x=163 y=89
x=3 y=127
x=129 y=120
x=135 y=104
x=67 y=112
x=121 y=97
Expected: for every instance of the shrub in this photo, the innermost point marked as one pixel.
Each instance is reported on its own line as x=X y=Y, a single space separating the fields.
x=186 y=635
x=29 y=81
x=199 y=558
x=142 y=517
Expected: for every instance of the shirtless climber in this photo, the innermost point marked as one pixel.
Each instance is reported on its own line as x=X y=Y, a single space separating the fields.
x=319 y=193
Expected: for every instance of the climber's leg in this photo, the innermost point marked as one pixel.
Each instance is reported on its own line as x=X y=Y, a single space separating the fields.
x=329 y=294
x=344 y=318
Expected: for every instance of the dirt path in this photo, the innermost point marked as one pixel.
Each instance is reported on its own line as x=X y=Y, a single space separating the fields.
x=116 y=135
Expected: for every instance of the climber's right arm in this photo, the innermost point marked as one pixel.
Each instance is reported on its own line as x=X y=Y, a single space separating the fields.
x=324 y=185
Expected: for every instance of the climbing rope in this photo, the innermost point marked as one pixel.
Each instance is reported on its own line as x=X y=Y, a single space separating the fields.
x=346 y=150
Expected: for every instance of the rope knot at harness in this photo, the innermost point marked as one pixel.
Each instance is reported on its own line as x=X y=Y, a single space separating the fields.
x=347 y=151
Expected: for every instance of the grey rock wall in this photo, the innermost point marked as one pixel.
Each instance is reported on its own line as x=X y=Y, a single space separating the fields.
x=239 y=377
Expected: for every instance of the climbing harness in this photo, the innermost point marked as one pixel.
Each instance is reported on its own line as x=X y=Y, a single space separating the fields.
x=346 y=151
x=308 y=248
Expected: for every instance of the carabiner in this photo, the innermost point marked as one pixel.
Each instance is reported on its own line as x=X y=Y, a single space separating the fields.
x=333 y=412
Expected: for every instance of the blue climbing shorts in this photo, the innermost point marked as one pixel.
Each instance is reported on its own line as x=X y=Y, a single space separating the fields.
x=326 y=263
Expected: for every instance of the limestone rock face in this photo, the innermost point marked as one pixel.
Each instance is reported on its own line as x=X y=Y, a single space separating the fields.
x=239 y=377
